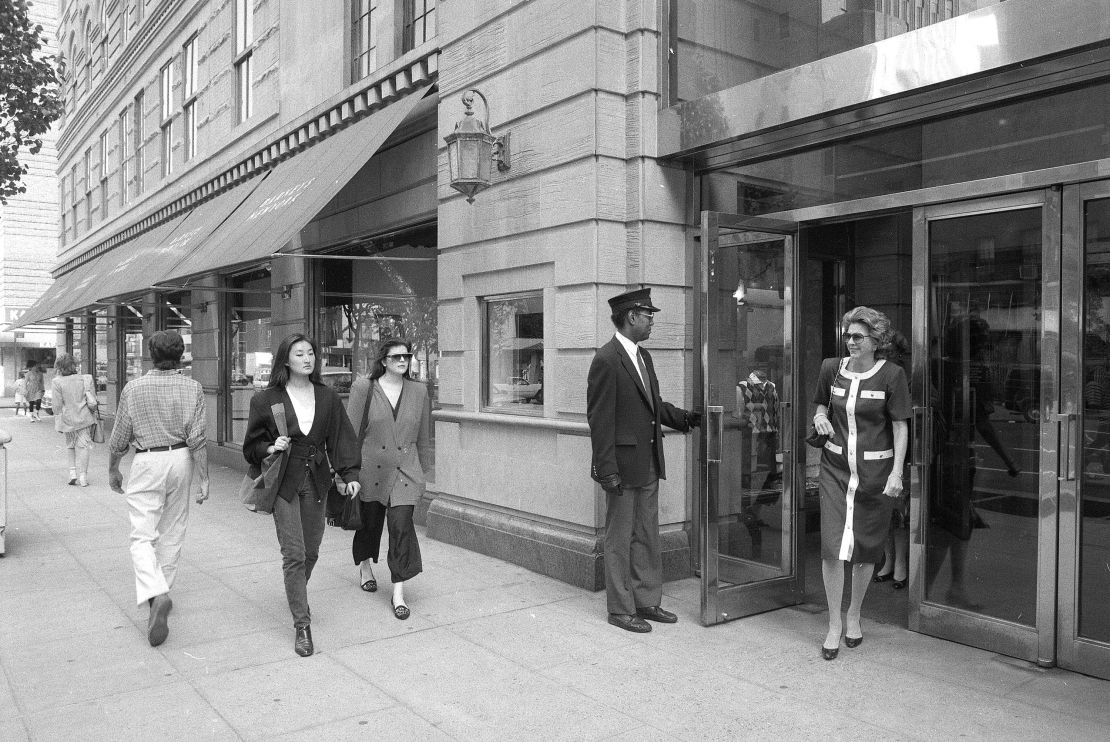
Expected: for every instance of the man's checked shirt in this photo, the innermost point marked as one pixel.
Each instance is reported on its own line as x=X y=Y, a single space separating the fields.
x=160 y=408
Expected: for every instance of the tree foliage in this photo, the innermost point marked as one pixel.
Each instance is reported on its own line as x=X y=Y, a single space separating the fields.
x=29 y=93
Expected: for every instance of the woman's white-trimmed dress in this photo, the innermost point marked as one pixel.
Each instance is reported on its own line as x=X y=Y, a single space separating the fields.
x=856 y=461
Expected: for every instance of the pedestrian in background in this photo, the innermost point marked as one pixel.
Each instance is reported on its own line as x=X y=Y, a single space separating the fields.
x=625 y=415
x=863 y=403
x=163 y=415
x=75 y=405
x=35 y=389
x=21 y=393
x=392 y=413
x=318 y=432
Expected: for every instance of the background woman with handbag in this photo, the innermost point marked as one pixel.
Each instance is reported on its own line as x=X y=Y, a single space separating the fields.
x=75 y=406
x=392 y=412
x=36 y=387
x=318 y=432
x=862 y=405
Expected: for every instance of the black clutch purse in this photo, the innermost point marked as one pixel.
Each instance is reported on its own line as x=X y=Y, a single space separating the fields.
x=815 y=439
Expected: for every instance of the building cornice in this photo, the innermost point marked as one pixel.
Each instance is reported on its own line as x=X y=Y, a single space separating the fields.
x=417 y=69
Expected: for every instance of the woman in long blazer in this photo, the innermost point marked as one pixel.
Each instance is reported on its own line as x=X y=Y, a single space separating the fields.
x=392 y=413
x=318 y=432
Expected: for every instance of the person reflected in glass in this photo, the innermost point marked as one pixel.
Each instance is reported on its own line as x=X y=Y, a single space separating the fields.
x=896 y=552
x=74 y=415
x=757 y=411
x=318 y=431
x=392 y=412
x=863 y=402
x=966 y=405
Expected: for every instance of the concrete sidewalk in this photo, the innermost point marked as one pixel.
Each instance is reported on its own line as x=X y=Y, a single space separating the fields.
x=492 y=651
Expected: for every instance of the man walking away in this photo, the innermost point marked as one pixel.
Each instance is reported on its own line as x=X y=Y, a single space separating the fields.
x=162 y=414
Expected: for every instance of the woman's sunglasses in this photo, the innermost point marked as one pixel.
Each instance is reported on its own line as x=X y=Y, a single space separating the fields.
x=855 y=337
x=400 y=356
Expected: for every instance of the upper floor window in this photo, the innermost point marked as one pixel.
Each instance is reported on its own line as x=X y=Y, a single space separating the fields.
x=244 y=38
x=88 y=187
x=167 y=91
x=244 y=25
x=73 y=199
x=419 y=23
x=189 y=68
x=166 y=124
x=139 y=135
x=103 y=173
x=364 y=38
x=189 y=97
x=121 y=148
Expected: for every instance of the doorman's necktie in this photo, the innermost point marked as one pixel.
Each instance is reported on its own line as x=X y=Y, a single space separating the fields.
x=644 y=378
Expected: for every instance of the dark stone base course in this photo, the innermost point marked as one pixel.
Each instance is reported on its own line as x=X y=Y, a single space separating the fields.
x=566 y=555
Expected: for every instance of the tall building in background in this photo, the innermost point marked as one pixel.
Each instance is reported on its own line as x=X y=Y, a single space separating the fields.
x=29 y=226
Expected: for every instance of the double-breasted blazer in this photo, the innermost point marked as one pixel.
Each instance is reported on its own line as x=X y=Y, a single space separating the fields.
x=330 y=440
x=625 y=430
x=396 y=451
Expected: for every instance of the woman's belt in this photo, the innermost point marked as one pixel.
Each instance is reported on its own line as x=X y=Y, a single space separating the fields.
x=867 y=455
x=306 y=451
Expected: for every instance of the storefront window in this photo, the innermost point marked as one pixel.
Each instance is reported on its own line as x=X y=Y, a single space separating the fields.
x=386 y=290
x=100 y=355
x=250 y=345
x=718 y=44
x=513 y=353
x=131 y=340
x=1059 y=129
x=177 y=315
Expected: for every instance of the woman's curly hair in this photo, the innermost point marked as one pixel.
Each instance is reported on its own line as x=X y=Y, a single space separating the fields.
x=878 y=324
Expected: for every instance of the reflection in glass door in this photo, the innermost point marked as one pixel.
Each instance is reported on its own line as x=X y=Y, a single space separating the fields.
x=982 y=547
x=749 y=548
x=1084 y=610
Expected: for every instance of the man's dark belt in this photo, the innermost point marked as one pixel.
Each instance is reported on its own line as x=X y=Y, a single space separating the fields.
x=155 y=449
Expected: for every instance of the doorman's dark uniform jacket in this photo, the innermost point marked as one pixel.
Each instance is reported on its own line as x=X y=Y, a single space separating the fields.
x=625 y=431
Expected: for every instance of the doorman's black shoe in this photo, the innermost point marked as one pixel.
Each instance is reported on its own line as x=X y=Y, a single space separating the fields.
x=655 y=613
x=634 y=624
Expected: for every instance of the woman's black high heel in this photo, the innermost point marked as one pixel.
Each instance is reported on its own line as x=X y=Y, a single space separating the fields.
x=883 y=578
x=899 y=584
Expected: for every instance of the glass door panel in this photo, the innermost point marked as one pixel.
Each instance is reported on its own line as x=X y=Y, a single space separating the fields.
x=1084 y=634
x=748 y=529
x=980 y=546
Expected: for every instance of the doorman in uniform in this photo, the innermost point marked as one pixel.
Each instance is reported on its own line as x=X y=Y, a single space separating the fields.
x=625 y=415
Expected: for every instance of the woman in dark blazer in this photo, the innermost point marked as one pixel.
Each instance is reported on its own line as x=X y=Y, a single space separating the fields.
x=392 y=413
x=317 y=431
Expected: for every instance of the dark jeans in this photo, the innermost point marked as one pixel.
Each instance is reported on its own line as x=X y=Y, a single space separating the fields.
x=403 y=556
x=300 y=529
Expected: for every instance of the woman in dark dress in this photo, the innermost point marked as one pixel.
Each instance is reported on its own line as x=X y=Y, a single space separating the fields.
x=392 y=413
x=862 y=404
x=318 y=432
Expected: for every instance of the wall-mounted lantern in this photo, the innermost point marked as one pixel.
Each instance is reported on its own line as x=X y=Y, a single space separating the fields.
x=472 y=149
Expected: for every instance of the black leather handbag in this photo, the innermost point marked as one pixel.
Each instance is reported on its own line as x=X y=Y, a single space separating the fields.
x=341 y=511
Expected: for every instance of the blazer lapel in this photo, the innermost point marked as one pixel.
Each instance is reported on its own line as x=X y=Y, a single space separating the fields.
x=386 y=410
x=291 y=421
x=630 y=367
